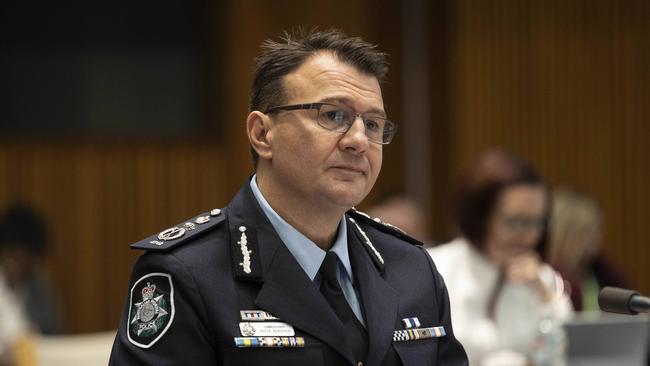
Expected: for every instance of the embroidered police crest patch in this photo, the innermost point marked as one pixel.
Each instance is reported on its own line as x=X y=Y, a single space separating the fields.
x=151 y=309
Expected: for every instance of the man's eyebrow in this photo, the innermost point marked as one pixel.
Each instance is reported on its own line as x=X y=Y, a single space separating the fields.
x=348 y=102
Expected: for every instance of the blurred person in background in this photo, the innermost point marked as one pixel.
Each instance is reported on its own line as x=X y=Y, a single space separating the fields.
x=574 y=248
x=16 y=343
x=23 y=241
x=500 y=289
x=404 y=213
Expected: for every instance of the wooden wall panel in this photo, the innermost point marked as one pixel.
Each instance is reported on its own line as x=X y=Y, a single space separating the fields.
x=97 y=199
x=565 y=84
x=100 y=197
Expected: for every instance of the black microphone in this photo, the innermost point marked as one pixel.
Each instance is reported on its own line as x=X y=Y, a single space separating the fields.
x=622 y=301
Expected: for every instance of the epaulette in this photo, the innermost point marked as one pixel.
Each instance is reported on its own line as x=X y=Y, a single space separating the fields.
x=181 y=233
x=383 y=226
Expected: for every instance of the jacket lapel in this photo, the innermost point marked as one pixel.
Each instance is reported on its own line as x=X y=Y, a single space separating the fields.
x=380 y=301
x=288 y=293
x=286 y=290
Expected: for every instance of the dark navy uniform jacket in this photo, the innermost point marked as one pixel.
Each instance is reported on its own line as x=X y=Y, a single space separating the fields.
x=187 y=293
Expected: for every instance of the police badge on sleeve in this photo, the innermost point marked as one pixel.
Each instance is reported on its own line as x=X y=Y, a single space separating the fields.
x=151 y=309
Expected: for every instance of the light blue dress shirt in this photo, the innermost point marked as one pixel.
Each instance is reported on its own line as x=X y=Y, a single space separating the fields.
x=309 y=255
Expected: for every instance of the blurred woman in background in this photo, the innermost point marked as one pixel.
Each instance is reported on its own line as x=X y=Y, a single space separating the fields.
x=500 y=288
x=575 y=234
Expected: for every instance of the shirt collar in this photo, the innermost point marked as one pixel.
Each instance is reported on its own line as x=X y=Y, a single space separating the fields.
x=307 y=253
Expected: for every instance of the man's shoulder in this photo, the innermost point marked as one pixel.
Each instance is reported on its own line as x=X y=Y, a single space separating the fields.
x=376 y=224
x=185 y=232
x=387 y=244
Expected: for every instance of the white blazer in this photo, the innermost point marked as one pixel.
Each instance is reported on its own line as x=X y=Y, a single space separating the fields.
x=470 y=278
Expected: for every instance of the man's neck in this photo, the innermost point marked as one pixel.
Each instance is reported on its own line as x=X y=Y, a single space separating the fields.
x=319 y=224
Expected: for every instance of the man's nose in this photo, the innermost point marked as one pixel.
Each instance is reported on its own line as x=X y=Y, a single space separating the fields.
x=355 y=138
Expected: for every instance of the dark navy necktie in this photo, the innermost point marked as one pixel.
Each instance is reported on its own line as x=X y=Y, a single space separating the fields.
x=331 y=289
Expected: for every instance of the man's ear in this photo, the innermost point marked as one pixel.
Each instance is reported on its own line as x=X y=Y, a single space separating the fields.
x=258 y=128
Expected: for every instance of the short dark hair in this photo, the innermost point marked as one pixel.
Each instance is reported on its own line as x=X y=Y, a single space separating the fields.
x=279 y=58
x=480 y=186
x=23 y=227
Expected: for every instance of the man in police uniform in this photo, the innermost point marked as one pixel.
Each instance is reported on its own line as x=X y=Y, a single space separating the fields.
x=289 y=273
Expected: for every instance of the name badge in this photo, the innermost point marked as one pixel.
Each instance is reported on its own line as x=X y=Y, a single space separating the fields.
x=266 y=329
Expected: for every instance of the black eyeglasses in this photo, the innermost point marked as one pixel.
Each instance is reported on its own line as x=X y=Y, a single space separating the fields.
x=340 y=119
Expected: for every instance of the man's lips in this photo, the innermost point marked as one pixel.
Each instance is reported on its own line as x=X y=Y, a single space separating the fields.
x=349 y=168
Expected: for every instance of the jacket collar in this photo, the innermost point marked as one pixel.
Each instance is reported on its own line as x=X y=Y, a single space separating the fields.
x=288 y=293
